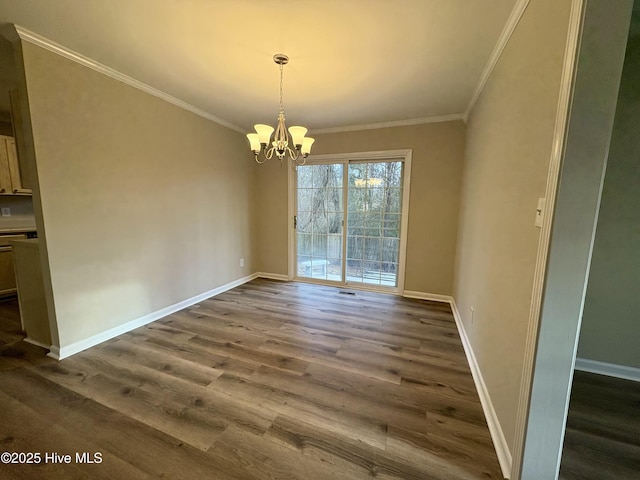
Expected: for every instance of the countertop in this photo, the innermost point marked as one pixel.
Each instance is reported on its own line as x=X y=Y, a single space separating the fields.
x=25 y=242
x=25 y=229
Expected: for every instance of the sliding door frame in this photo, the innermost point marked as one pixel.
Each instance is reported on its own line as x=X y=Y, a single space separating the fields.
x=403 y=156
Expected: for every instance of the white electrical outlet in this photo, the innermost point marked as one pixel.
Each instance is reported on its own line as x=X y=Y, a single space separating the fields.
x=6 y=212
x=242 y=262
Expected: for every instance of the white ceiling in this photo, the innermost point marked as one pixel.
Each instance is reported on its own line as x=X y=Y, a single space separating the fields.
x=352 y=62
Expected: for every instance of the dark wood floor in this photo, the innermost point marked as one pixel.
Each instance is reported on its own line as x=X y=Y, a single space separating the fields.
x=268 y=380
x=602 y=440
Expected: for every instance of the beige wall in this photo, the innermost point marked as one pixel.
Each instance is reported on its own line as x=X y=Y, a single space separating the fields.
x=438 y=150
x=143 y=204
x=508 y=148
x=271 y=220
x=610 y=329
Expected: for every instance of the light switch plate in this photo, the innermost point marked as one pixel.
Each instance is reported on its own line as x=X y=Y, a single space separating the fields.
x=540 y=212
x=6 y=212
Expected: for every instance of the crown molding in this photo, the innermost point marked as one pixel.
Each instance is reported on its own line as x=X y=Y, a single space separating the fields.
x=76 y=57
x=509 y=28
x=15 y=32
x=393 y=123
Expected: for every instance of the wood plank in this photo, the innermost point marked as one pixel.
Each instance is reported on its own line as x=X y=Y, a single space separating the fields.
x=440 y=359
x=268 y=380
x=207 y=326
x=602 y=439
x=144 y=355
x=24 y=428
x=272 y=459
x=127 y=445
x=17 y=353
x=196 y=353
x=415 y=394
x=589 y=456
x=351 y=400
x=319 y=357
x=223 y=408
x=350 y=455
x=126 y=395
x=261 y=356
x=348 y=424
x=408 y=367
x=449 y=460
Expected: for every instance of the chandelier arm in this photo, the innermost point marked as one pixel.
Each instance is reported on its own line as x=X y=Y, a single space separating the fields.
x=293 y=154
x=259 y=161
x=269 y=153
x=297 y=157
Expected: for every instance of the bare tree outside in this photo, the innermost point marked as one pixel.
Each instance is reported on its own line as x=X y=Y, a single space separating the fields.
x=319 y=220
x=374 y=202
x=373 y=222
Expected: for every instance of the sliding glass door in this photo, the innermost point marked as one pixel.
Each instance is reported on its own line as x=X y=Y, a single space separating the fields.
x=348 y=221
x=319 y=220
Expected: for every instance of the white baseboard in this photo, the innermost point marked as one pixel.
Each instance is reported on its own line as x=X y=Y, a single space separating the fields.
x=273 y=276
x=497 y=435
x=434 y=297
x=609 y=369
x=54 y=352
x=68 y=350
x=36 y=343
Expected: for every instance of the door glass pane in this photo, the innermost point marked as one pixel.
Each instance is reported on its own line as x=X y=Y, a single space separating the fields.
x=304 y=244
x=319 y=215
x=373 y=222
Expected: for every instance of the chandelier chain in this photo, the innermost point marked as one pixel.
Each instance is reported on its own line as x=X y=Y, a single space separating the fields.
x=281 y=84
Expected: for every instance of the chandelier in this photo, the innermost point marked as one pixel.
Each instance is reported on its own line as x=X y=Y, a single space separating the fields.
x=261 y=140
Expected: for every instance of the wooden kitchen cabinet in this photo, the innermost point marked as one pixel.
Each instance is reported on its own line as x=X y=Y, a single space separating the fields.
x=10 y=178
x=31 y=294
x=7 y=271
x=18 y=124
